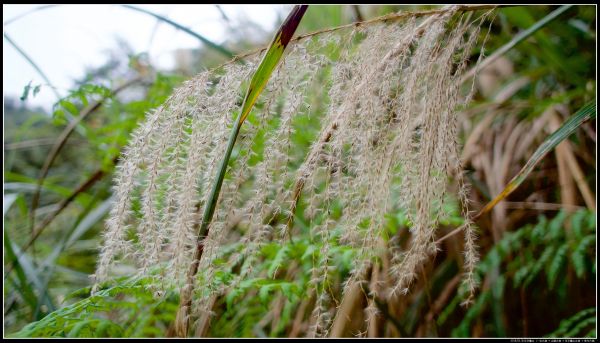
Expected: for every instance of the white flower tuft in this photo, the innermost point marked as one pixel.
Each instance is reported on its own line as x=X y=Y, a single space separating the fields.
x=388 y=140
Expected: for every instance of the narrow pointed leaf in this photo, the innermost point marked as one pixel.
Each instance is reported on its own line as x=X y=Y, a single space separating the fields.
x=201 y=38
x=584 y=114
x=271 y=58
x=257 y=84
x=24 y=287
x=32 y=276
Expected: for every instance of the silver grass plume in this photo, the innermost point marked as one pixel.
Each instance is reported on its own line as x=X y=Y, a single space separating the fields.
x=388 y=141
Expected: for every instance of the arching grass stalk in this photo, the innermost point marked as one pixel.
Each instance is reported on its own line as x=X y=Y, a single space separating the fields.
x=587 y=112
x=221 y=49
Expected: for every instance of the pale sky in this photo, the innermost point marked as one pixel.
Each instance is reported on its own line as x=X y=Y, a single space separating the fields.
x=63 y=40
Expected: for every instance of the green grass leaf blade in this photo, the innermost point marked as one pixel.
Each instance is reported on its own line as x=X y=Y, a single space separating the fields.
x=257 y=84
x=201 y=38
x=584 y=114
x=84 y=223
x=34 y=277
x=91 y=218
x=271 y=58
x=24 y=287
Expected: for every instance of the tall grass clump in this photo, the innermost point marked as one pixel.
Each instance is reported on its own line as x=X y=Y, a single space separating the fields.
x=387 y=140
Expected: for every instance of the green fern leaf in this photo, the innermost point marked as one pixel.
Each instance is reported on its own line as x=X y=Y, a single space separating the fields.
x=578 y=257
x=555 y=267
x=539 y=264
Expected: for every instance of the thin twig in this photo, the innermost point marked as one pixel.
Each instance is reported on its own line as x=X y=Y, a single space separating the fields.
x=34 y=143
x=95 y=177
x=448 y=235
x=388 y=17
x=61 y=141
x=541 y=206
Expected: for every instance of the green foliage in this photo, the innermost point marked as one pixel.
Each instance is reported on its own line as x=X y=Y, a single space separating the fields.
x=576 y=325
x=78 y=99
x=69 y=244
x=131 y=308
x=551 y=247
x=23 y=284
x=247 y=302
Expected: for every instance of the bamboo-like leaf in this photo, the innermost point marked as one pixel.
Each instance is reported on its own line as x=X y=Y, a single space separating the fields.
x=90 y=219
x=87 y=219
x=584 y=114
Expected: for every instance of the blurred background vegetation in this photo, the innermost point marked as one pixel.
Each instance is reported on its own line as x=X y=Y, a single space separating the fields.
x=538 y=247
